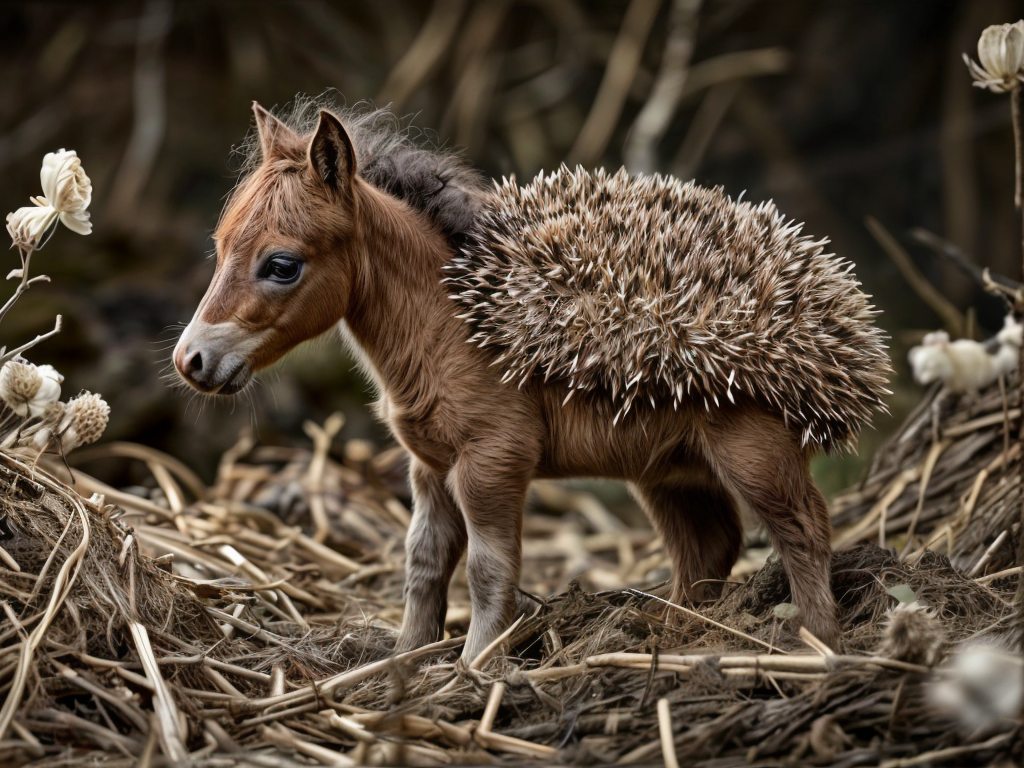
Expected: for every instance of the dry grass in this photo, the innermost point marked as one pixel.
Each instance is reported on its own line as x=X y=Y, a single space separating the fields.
x=266 y=639
x=949 y=481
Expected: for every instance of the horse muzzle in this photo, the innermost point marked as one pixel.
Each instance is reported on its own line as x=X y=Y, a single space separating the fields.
x=215 y=358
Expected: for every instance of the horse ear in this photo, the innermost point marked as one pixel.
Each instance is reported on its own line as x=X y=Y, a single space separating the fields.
x=331 y=154
x=271 y=130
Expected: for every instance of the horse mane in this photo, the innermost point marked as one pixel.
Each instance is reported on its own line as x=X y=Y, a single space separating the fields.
x=393 y=156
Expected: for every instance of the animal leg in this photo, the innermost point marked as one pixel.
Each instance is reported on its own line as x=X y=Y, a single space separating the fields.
x=433 y=546
x=490 y=487
x=763 y=460
x=701 y=530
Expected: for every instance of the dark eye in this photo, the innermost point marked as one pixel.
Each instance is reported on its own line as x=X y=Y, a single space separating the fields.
x=281 y=268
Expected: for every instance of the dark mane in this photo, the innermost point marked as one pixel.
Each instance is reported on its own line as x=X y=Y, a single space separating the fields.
x=394 y=157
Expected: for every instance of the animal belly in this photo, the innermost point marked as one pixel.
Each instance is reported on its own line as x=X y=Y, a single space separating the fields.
x=582 y=442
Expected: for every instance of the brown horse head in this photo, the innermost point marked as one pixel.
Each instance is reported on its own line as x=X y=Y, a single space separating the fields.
x=286 y=247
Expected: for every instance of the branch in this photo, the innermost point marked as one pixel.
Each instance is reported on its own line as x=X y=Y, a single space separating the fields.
x=425 y=53
x=964 y=262
x=150 y=110
x=642 y=142
x=41 y=337
x=952 y=319
x=623 y=64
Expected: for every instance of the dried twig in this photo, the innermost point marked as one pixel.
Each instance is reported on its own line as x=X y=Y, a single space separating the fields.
x=487 y=738
x=951 y=317
x=425 y=53
x=150 y=111
x=668 y=747
x=696 y=615
x=166 y=711
x=622 y=66
x=640 y=150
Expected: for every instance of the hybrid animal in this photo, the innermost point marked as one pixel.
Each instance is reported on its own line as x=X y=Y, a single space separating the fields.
x=637 y=328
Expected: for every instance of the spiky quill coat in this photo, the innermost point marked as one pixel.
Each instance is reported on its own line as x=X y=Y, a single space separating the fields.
x=653 y=290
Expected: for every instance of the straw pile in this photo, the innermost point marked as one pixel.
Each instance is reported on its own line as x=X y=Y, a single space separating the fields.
x=251 y=623
x=949 y=481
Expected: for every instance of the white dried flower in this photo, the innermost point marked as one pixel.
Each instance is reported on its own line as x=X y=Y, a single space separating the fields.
x=930 y=362
x=27 y=225
x=982 y=686
x=1011 y=338
x=1001 y=52
x=19 y=383
x=935 y=338
x=39 y=436
x=29 y=390
x=68 y=189
x=1012 y=333
x=964 y=365
x=84 y=420
x=49 y=391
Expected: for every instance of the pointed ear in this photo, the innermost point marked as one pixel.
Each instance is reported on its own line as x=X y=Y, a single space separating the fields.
x=332 y=157
x=272 y=131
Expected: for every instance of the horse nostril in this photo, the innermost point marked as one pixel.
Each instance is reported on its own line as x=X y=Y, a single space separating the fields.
x=195 y=363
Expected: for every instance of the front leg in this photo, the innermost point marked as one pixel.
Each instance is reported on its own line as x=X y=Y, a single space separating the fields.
x=489 y=482
x=433 y=546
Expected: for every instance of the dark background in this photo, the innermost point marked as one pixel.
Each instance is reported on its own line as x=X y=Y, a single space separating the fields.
x=836 y=109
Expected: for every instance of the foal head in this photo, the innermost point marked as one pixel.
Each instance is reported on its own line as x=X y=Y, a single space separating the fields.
x=286 y=245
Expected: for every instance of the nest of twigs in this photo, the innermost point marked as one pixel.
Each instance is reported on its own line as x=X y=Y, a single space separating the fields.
x=948 y=481
x=266 y=637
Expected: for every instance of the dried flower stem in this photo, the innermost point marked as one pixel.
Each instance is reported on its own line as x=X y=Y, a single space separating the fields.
x=26 y=281
x=1017 y=111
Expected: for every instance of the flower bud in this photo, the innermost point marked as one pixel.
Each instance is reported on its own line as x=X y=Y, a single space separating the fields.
x=1001 y=52
x=68 y=189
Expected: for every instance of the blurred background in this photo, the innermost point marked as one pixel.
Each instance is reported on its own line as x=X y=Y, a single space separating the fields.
x=838 y=110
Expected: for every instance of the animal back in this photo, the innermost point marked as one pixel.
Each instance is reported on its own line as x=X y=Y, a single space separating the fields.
x=656 y=291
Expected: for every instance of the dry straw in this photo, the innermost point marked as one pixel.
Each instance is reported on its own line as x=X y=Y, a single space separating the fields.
x=262 y=639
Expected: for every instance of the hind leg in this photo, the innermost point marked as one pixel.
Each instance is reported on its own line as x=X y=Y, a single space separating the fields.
x=701 y=530
x=755 y=454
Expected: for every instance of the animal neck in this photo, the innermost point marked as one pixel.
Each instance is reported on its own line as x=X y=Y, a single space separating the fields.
x=398 y=313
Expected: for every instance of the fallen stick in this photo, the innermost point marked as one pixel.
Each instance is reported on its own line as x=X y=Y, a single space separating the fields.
x=668 y=746
x=759 y=662
x=163 y=703
x=490 y=740
x=274 y=705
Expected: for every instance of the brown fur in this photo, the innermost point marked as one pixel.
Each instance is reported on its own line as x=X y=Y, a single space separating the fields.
x=374 y=264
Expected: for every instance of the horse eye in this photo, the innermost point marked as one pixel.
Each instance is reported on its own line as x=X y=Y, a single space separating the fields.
x=281 y=269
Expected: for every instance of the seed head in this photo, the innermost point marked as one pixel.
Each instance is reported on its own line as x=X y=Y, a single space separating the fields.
x=912 y=634
x=84 y=421
x=982 y=686
x=28 y=389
